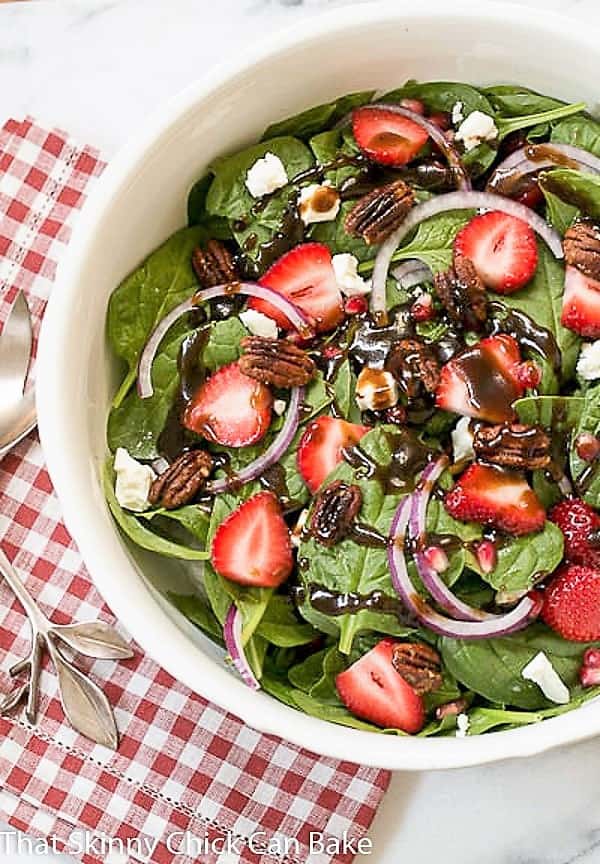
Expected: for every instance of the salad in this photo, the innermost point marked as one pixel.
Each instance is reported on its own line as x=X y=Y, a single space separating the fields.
x=361 y=404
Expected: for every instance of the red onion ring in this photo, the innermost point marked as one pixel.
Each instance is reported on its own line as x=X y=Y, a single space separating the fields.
x=248 y=289
x=431 y=579
x=514 y=620
x=519 y=163
x=272 y=454
x=463 y=181
x=441 y=204
x=232 y=633
x=412 y=272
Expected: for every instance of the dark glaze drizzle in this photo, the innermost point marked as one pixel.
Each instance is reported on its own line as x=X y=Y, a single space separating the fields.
x=274 y=480
x=409 y=457
x=334 y=603
x=524 y=329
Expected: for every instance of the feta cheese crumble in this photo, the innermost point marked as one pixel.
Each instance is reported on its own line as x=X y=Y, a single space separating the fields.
x=259 y=324
x=318 y=203
x=279 y=406
x=133 y=481
x=588 y=365
x=457 y=113
x=476 y=128
x=266 y=175
x=462 y=725
x=462 y=440
x=376 y=390
x=350 y=282
x=541 y=671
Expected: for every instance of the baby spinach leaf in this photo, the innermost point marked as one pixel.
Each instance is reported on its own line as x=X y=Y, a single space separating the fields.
x=507 y=125
x=162 y=281
x=142 y=536
x=316 y=675
x=485 y=719
x=522 y=561
x=331 y=145
x=344 y=393
x=314 y=120
x=352 y=567
x=589 y=421
x=215 y=226
x=579 y=190
x=434 y=241
x=192 y=517
x=580 y=131
x=334 y=235
x=136 y=424
x=559 y=415
x=515 y=101
x=492 y=667
x=542 y=300
x=280 y=625
x=442 y=96
x=223 y=344
x=198 y=612
x=560 y=214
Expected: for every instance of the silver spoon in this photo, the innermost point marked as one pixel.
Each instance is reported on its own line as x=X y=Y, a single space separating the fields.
x=85 y=705
x=17 y=411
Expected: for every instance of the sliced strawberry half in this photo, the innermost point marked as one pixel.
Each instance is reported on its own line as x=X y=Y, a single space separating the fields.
x=496 y=497
x=320 y=448
x=372 y=690
x=578 y=522
x=252 y=546
x=230 y=408
x=581 y=304
x=484 y=380
x=386 y=137
x=304 y=275
x=572 y=603
x=502 y=248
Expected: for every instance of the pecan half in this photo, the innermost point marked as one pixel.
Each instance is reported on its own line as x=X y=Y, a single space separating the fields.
x=182 y=480
x=419 y=665
x=214 y=265
x=276 y=361
x=582 y=247
x=335 y=509
x=462 y=294
x=415 y=367
x=513 y=445
x=376 y=215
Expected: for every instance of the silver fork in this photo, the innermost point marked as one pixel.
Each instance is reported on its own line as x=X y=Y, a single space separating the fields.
x=85 y=705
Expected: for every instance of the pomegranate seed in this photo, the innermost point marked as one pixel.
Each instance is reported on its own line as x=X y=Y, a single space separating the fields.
x=441 y=119
x=529 y=374
x=330 y=352
x=413 y=105
x=436 y=558
x=587 y=446
x=422 y=308
x=487 y=555
x=589 y=676
x=356 y=305
x=450 y=709
x=591 y=658
x=531 y=197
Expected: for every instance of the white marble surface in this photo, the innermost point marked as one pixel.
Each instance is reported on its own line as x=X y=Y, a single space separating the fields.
x=97 y=68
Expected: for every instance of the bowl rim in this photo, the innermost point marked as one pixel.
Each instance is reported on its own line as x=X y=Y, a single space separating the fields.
x=146 y=616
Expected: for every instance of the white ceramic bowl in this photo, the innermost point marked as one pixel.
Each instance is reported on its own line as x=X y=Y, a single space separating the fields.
x=141 y=200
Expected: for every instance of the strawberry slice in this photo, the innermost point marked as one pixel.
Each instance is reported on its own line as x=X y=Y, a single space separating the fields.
x=484 y=380
x=372 y=690
x=320 y=448
x=304 y=275
x=230 y=408
x=581 y=304
x=252 y=545
x=502 y=248
x=572 y=603
x=578 y=522
x=386 y=137
x=496 y=497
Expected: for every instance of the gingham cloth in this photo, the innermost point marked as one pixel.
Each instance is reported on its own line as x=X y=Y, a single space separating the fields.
x=184 y=766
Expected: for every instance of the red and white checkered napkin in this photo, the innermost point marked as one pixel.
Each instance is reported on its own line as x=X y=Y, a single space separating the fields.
x=184 y=765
